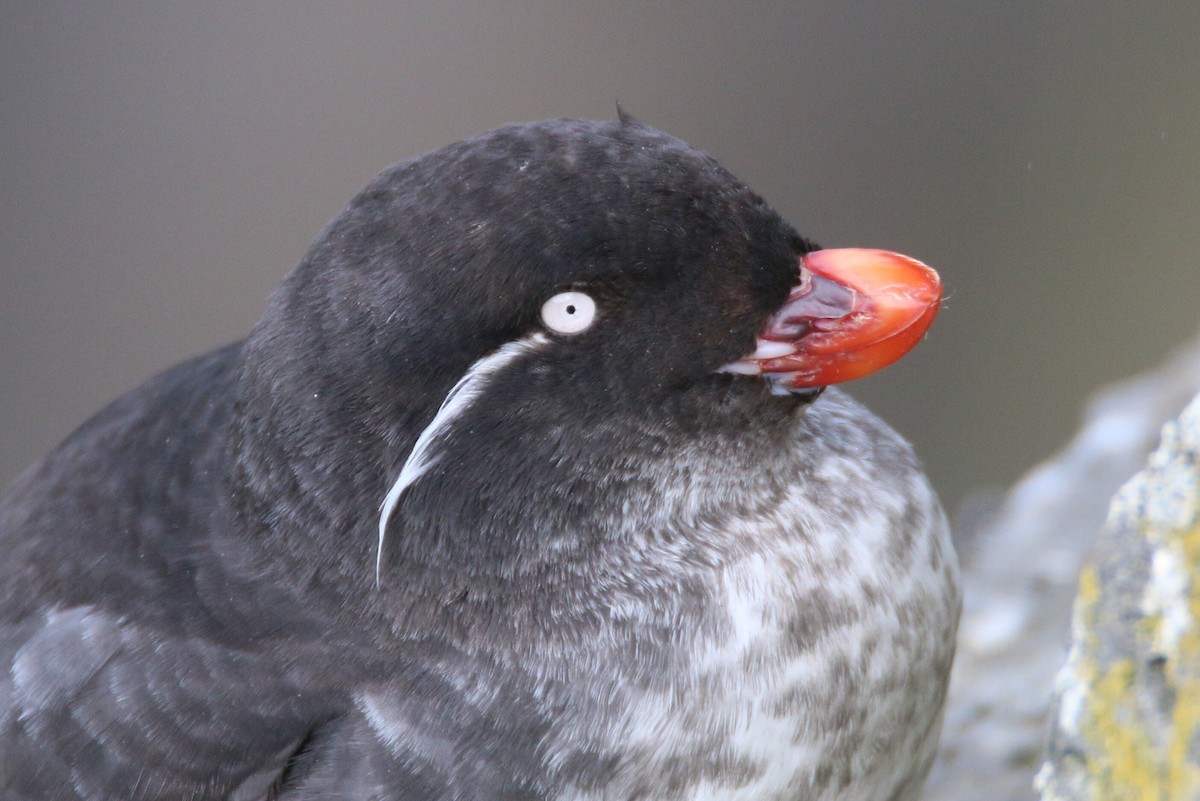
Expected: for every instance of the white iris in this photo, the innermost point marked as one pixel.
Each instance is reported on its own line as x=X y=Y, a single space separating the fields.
x=568 y=312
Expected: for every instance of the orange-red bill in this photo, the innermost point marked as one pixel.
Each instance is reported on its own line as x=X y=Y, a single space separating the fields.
x=855 y=311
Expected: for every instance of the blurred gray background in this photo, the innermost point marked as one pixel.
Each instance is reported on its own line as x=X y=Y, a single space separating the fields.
x=165 y=164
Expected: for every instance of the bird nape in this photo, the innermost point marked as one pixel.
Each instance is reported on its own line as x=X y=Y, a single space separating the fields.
x=526 y=486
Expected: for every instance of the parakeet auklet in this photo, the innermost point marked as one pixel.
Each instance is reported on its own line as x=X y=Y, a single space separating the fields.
x=524 y=487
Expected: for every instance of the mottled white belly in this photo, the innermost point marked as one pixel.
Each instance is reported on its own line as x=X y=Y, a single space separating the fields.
x=825 y=683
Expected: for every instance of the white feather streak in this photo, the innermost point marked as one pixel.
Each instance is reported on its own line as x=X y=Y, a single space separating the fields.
x=458 y=400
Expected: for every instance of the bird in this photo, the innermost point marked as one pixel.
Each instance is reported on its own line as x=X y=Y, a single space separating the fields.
x=530 y=483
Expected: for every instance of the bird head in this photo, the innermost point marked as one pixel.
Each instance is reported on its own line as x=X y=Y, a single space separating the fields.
x=522 y=312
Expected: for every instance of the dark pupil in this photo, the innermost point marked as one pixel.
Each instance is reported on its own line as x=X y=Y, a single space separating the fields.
x=571 y=309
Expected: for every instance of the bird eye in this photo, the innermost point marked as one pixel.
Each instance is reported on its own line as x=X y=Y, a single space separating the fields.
x=568 y=312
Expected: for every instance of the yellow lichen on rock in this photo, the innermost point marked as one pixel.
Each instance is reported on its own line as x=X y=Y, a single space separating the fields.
x=1132 y=769
x=1128 y=722
x=1184 y=674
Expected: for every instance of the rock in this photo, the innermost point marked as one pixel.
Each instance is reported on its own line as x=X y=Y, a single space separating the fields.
x=1022 y=564
x=1127 y=713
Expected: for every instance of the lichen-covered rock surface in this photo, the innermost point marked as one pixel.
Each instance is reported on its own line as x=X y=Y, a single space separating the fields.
x=1022 y=561
x=1127 y=717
